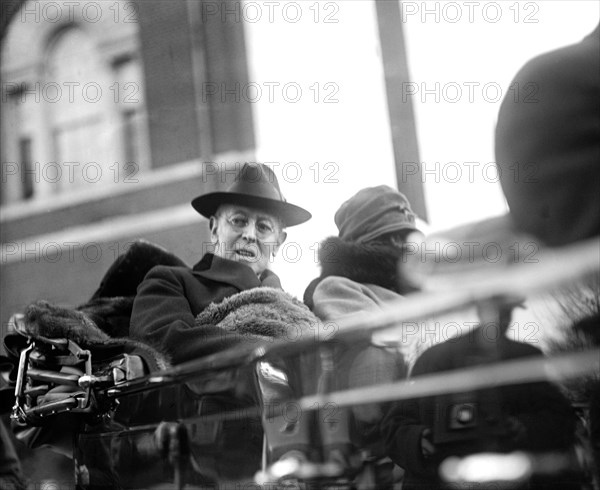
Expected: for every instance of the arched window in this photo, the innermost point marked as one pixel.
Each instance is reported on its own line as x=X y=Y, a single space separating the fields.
x=73 y=113
x=83 y=120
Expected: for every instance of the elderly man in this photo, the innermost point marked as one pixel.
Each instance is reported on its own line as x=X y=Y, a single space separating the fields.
x=247 y=224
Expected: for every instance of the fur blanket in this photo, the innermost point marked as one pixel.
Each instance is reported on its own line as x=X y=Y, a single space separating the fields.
x=266 y=314
x=42 y=319
x=256 y=314
x=261 y=313
x=102 y=323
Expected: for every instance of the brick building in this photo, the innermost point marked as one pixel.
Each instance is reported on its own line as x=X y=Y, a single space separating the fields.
x=104 y=129
x=112 y=114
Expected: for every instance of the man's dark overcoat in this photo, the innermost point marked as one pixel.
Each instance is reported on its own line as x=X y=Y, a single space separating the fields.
x=170 y=298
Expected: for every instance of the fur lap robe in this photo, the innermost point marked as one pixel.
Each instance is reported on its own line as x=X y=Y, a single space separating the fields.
x=261 y=313
x=265 y=314
x=42 y=319
x=102 y=324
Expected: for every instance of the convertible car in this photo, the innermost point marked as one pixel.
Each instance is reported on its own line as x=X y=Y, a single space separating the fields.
x=262 y=414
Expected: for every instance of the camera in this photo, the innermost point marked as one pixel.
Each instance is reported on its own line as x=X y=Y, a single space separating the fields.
x=464 y=417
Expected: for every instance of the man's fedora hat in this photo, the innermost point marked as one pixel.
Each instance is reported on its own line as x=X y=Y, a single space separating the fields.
x=255 y=186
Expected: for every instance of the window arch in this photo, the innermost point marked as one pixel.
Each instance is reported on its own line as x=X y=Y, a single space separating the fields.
x=73 y=105
x=82 y=124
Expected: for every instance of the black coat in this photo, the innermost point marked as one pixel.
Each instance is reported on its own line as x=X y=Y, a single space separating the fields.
x=539 y=408
x=169 y=299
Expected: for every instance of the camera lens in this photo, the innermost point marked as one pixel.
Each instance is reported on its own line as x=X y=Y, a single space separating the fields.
x=465 y=414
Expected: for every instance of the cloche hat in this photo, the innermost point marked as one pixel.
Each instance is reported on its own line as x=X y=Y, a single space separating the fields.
x=373 y=212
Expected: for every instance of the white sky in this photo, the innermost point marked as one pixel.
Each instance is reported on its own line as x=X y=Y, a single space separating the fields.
x=349 y=142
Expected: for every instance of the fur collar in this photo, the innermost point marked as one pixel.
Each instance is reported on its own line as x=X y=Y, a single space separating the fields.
x=366 y=263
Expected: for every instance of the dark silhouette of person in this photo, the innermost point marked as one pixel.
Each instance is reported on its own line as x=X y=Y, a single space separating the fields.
x=533 y=417
x=548 y=144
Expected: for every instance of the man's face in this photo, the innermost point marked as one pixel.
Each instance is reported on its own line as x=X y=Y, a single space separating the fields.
x=246 y=235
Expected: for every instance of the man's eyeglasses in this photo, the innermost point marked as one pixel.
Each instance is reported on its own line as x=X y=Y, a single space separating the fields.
x=265 y=228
